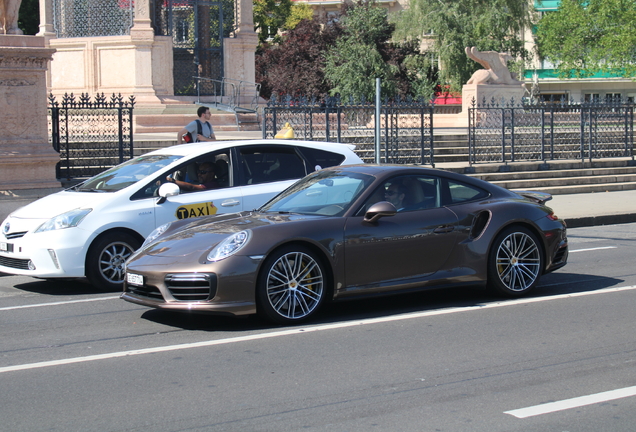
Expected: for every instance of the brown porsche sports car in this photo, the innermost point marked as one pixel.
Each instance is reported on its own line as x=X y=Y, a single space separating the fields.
x=345 y=232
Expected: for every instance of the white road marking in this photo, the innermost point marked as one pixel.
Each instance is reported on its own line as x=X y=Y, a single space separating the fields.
x=58 y=303
x=592 y=249
x=573 y=403
x=311 y=329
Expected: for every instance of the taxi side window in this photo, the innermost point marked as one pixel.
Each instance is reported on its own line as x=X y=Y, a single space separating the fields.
x=263 y=164
x=188 y=172
x=318 y=159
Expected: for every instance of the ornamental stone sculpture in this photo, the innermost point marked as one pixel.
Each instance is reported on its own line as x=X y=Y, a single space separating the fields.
x=496 y=68
x=9 y=10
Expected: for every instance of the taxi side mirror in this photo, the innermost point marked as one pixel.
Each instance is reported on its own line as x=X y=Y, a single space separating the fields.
x=166 y=190
x=379 y=210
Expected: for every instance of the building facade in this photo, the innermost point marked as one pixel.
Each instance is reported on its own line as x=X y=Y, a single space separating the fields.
x=151 y=49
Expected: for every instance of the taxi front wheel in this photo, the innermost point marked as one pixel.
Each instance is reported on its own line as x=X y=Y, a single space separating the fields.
x=106 y=258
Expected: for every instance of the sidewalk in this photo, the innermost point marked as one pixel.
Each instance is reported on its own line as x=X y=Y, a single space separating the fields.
x=589 y=209
x=592 y=209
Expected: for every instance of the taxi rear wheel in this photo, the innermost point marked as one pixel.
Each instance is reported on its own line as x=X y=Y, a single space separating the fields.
x=106 y=258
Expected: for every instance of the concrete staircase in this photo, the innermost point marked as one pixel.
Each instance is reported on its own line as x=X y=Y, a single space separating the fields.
x=450 y=148
x=558 y=177
x=177 y=114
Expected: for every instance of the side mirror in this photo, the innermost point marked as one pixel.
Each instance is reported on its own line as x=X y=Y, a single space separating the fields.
x=166 y=190
x=379 y=210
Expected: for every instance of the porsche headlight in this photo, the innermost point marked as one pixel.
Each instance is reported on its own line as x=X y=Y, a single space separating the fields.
x=230 y=246
x=65 y=220
x=156 y=233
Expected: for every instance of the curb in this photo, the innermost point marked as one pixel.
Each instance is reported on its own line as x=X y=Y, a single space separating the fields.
x=590 y=221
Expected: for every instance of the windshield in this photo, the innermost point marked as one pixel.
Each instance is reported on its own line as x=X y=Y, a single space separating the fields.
x=326 y=193
x=128 y=173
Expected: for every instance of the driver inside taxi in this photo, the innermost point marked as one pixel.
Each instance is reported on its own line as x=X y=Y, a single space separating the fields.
x=205 y=176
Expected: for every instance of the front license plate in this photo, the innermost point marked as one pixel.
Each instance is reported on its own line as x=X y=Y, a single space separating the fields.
x=134 y=279
x=6 y=247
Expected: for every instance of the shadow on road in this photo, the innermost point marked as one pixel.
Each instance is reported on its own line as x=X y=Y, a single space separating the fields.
x=551 y=285
x=59 y=287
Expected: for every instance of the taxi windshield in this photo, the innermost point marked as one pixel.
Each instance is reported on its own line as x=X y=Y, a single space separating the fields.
x=126 y=174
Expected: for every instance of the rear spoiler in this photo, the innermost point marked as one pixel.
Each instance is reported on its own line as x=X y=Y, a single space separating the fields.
x=538 y=197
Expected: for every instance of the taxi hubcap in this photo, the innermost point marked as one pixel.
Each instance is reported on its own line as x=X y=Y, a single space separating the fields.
x=112 y=261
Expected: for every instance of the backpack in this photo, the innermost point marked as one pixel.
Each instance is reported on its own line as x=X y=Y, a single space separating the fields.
x=188 y=138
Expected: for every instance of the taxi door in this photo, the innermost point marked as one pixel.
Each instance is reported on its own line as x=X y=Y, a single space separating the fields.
x=197 y=204
x=226 y=198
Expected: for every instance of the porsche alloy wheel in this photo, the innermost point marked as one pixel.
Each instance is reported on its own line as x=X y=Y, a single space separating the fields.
x=292 y=285
x=516 y=262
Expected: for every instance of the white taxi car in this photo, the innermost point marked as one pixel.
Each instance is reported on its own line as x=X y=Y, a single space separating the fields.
x=92 y=228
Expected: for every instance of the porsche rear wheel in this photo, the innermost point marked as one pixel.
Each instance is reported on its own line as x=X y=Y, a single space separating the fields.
x=292 y=285
x=515 y=262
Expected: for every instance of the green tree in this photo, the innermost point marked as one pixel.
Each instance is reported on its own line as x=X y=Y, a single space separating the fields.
x=298 y=12
x=365 y=52
x=585 y=37
x=272 y=16
x=452 y=25
x=29 y=17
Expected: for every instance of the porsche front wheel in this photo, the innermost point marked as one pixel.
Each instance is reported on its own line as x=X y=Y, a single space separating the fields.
x=291 y=286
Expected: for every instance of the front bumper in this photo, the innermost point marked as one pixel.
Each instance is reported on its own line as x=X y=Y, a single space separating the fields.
x=51 y=254
x=226 y=287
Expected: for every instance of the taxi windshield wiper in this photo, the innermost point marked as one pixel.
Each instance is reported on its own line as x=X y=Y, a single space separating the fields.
x=91 y=190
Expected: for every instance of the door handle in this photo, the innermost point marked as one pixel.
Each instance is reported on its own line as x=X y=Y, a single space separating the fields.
x=230 y=203
x=444 y=229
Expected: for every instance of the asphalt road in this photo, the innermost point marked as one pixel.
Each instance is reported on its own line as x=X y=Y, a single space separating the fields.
x=563 y=359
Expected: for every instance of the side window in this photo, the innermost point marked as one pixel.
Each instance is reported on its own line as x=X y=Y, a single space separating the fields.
x=266 y=164
x=407 y=193
x=461 y=192
x=320 y=158
x=212 y=169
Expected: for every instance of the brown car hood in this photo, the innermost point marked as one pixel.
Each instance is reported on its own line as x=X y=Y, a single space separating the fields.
x=201 y=235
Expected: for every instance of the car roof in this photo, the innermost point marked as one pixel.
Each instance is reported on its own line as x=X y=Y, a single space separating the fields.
x=204 y=147
x=385 y=170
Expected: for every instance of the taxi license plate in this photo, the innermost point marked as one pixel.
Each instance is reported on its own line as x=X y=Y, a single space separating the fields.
x=6 y=247
x=134 y=279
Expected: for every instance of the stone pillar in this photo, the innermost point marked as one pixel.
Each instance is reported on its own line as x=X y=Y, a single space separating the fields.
x=142 y=36
x=239 y=57
x=46 y=20
x=490 y=92
x=27 y=160
x=501 y=94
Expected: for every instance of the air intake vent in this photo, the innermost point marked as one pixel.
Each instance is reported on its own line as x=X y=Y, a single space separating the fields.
x=22 y=264
x=191 y=286
x=15 y=235
x=145 y=291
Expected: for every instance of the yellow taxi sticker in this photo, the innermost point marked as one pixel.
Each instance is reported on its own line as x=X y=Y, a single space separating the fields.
x=196 y=210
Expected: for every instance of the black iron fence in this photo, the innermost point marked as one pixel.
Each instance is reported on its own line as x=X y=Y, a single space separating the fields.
x=406 y=127
x=90 y=135
x=508 y=132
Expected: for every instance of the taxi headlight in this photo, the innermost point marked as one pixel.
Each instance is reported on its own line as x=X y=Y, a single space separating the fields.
x=156 y=233
x=65 y=220
x=230 y=246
